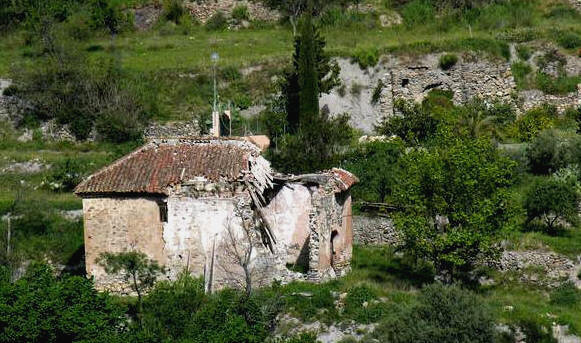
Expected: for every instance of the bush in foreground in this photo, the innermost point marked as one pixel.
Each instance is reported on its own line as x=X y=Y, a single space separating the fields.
x=443 y=314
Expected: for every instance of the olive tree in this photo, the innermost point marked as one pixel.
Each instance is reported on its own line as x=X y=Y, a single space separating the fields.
x=553 y=201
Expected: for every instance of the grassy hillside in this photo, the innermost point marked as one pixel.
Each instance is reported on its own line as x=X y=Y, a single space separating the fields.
x=165 y=74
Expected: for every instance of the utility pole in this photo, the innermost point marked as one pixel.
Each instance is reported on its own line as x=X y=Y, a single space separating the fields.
x=215 y=113
x=8 y=235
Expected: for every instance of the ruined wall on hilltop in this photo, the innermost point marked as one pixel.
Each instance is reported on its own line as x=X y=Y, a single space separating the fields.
x=413 y=77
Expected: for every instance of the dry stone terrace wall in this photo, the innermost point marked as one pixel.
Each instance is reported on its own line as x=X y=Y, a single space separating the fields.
x=203 y=10
x=375 y=231
x=412 y=78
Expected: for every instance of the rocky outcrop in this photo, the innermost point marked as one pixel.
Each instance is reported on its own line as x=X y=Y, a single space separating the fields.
x=146 y=16
x=412 y=78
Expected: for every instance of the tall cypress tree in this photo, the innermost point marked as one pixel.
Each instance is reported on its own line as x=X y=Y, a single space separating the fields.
x=308 y=73
x=312 y=71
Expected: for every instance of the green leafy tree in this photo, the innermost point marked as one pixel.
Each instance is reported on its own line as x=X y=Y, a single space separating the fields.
x=414 y=124
x=135 y=267
x=376 y=166
x=318 y=145
x=455 y=200
x=552 y=200
x=43 y=308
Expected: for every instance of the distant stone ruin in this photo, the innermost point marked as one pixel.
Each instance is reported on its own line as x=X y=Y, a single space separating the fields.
x=412 y=78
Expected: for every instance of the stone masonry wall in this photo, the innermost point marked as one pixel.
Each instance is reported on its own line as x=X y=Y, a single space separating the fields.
x=413 y=77
x=374 y=231
x=117 y=225
x=328 y=216
x=204 y=10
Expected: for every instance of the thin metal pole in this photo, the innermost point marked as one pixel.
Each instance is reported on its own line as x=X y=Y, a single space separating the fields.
x=8 y=234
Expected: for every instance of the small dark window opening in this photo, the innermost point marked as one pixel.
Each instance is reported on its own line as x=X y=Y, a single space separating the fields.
x=405 y=82
x=162 y=211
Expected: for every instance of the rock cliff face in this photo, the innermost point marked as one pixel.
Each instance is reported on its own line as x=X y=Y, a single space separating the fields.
x=412 y=78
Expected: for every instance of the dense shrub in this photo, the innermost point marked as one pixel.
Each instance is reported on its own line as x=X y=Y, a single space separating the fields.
x=240 y=13
x=41 y=308
x=524 y=52
x=80 y=95
x=552 y=150
x=217 y=22
x=418 y=12
x=64 y=175
x=561 y=84
x=553 y=201
x=447 y=61
x=366 y=58
x=444 y=314
x=521 y=71
x=566 y=294
x=319 y=146
x=181 y=298
x=361 y=305
x=241 y=320
x=376 y=95
x=415 y=125
x=107 y=14
x=173 y=10
x=536 y=330
x=79 y=26
x=534 y=121
x=569 y=40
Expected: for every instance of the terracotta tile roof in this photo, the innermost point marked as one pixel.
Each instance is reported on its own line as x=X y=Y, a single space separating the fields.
x=346 y=178
x=157 y=165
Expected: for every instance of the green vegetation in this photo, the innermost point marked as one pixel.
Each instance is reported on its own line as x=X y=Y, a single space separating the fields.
x=553 y=201
x=447 y=61
x=460 y=179
x=314 y=138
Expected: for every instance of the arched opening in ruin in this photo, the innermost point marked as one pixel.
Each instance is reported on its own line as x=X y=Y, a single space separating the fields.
x=335 y=246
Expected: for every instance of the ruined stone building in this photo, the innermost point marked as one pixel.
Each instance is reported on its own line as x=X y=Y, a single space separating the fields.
x=214 y=207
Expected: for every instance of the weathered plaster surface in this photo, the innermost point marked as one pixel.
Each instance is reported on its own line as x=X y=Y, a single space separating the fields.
x=288 y=216
x=195 y=238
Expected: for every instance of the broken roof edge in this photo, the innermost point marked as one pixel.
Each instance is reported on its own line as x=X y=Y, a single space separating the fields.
x=343 y=179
